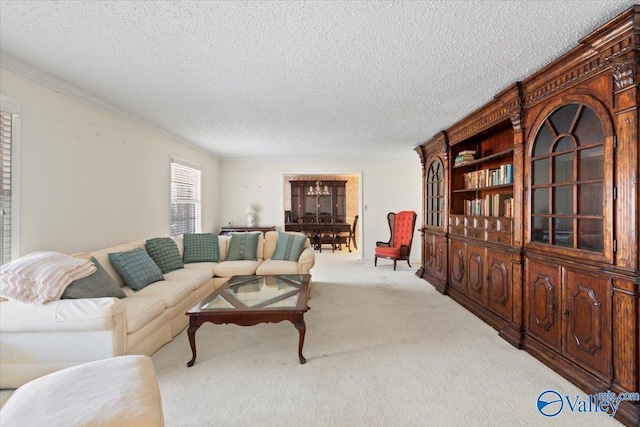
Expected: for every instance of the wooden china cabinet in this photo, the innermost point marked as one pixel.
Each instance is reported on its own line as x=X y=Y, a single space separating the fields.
x=541 y=213
x=333 y=204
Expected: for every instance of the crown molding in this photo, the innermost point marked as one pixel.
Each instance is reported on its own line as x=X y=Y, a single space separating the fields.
x=39 y=76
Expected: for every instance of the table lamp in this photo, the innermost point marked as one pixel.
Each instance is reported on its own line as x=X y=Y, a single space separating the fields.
x=250 y=211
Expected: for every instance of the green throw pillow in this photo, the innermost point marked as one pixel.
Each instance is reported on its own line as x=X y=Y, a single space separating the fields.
x=164 y=252
x=243 y=246
x=289 y=247
x=201 y=247
x=136 y=268
x=97 y=285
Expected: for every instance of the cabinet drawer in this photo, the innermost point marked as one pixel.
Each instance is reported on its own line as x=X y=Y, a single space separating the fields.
x=459 y=230
x=492 y=224
x=476 y=223
x=476 y=233
x=456 y=221
x=503 y=238
x=505 y=225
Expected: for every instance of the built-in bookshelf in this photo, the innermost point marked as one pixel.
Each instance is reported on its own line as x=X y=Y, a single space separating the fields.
x=482 y=175
x=541 y=213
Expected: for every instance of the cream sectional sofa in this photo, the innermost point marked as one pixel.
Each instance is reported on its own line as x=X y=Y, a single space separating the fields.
x=37 y=340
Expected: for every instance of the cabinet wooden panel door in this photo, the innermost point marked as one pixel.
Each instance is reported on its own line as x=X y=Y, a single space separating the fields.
x=435 y=255
x=429 y=253
x=440 y=252
x=587 y=314
x=499 y=284
x=543 y=290
x=457 y=257
x=476 y=288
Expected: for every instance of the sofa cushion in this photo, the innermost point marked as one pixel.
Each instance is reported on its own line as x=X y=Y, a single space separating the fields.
x=96 y=285
x=141 y=310
x=197 y=277
x=201 y=247
x=236 y=268
x=222 y=246
x=102 y=256
x=209 y=266
x=94 y=314
x=171 y=292
x=271 y=240
x=164 y=252
x=289 y=247
x=243 y=246
x=271 y=266
x=136 y=268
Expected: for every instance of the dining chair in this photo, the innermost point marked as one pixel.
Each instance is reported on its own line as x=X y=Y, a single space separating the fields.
x=348 y=238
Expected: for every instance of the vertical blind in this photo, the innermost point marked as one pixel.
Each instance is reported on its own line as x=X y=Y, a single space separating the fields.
x=6 y=120
x=185 y=199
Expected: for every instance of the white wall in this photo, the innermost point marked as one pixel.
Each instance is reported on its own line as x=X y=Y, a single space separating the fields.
x=89 y=179
x=386 y=187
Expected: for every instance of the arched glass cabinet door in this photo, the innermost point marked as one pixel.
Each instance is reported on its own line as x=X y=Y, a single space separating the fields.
x=434 y=194
x=568 y=181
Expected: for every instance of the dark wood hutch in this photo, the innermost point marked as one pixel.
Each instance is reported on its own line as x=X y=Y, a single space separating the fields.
x=305 y=204
x=531 y=213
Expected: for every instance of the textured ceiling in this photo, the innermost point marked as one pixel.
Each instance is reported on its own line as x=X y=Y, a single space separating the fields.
x=312 y=80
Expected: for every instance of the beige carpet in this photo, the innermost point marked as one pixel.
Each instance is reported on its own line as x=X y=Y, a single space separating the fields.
x=383 y=348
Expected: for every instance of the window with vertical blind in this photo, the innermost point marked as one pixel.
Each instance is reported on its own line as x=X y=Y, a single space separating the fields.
x=185 y=199
x=6 y=212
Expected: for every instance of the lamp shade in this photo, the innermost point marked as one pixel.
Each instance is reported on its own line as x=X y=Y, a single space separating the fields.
x=249 y=210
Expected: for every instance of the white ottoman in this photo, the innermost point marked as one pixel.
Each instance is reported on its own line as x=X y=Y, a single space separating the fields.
x=120 y=391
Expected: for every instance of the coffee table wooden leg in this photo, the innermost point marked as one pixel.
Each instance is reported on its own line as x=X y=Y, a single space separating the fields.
x=302 y=328
x=191 y=332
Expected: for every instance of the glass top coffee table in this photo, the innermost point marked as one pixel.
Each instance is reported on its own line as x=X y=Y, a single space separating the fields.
x=249 y=300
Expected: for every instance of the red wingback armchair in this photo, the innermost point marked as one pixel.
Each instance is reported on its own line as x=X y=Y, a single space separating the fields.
x=398 y=247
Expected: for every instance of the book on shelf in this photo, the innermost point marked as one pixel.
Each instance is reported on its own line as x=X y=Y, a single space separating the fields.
x=499 y=204
x=489 y=177
x=508 y=207
x=465 y=156
x=491 y=205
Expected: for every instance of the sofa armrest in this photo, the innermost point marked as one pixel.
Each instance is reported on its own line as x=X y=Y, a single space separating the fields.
x=306 y=261
x=36 y=340
x=92 y=314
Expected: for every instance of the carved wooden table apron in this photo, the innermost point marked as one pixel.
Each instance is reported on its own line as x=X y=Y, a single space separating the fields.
x=249 y=300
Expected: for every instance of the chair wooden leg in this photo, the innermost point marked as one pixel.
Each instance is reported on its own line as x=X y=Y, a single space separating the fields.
x=375 y=261
x=409 y=264
x=394 y=265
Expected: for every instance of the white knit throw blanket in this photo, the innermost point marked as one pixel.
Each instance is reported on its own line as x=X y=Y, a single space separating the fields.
x=41 y=277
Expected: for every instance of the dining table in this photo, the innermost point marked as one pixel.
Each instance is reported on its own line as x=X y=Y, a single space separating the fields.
x=317 y=230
